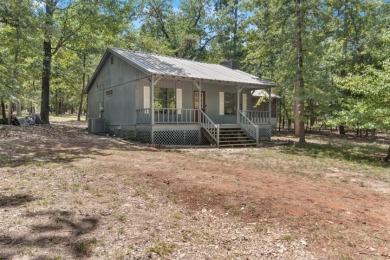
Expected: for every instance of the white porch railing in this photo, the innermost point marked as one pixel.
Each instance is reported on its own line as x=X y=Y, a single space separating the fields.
x=209 y=126
x=143 y=116
x=248 y=126
x=257 y=117
x=167 y=116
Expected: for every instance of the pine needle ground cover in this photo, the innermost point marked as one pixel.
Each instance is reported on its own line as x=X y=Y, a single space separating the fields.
x=65 y=193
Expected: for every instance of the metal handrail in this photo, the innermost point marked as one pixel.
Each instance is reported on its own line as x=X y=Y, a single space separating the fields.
x=209 y=126
x=251 y=128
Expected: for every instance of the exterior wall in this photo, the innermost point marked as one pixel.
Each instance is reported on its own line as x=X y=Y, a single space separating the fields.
x=188 y=88
x=115 y=90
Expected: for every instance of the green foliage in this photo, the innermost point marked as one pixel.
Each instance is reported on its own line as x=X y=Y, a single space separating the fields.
x=345 y=48
x=368 y=102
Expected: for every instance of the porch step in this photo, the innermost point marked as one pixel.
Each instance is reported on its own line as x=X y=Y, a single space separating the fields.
x=232 y=137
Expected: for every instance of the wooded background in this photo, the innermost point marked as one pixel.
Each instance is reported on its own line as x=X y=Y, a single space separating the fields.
x=330 y=58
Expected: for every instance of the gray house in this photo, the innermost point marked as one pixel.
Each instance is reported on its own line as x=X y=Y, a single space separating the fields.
x=164 y=100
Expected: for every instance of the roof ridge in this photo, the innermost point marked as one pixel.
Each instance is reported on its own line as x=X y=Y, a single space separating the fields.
x=171 y=57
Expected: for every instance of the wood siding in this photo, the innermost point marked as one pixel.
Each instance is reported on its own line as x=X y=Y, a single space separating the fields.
x=115 y=88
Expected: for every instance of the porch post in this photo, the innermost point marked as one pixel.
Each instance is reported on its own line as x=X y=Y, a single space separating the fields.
x=199 y=87
x=238 y=103
x=152 y=109
x=152 y=101
x=269 y=106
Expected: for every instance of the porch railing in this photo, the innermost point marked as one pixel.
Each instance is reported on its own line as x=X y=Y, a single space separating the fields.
x=248 y=126
x=167 y=116
x=211 y=128
x=143 y=116
x=257 y=117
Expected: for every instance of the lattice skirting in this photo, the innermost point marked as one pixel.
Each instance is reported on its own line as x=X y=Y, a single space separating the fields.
x=176 y=137
x=171 y=137
x=265 y=133
x=144 y=135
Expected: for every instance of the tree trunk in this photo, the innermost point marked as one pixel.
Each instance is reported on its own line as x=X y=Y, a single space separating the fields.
x=341 y=129
x=82 y=90
x=373 y=133
x=18 y=108
x=299 y=124
x=3 y=113
x=9 y=112
x=345 y=45
x=388 y=155
x=47 y=57
x=56 y=106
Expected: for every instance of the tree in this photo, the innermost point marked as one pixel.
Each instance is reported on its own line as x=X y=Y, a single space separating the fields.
x=186 y=32
x=282 y=37
x=14 y=18
x=63 y=25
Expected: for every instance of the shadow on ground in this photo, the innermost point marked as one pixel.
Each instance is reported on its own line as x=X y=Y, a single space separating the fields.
x=363 y=154
x=60 y=230
x=56 y=144
x=15 y=200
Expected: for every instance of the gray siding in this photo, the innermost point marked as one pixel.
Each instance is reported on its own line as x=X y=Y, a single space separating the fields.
x=120 y=106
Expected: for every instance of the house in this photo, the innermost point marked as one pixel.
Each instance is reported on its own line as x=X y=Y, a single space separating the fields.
x=164 y=100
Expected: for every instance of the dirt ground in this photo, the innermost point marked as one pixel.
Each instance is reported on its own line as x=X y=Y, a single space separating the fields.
x=67 y=194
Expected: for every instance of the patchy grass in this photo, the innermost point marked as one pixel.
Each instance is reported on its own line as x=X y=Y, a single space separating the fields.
x=121 y=218
x=162 y=248
x=288 y=237
x=96 y=196
x=313 y=159
x=361 y=153
x=65 y=118
x=84 y=248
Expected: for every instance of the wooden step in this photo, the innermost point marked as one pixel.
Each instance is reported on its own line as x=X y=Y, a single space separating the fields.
x=238 y=145
x=236 y=141
x=232 y=137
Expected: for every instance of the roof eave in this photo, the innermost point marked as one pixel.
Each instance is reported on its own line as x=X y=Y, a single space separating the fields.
x=234 y=83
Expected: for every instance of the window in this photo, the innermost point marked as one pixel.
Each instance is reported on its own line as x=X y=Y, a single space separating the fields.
x=109 y=92
x=164 y=98
x=230 y=103
x=112 y=59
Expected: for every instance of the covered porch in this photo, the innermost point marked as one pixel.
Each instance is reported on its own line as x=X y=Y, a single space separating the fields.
x=197 y=122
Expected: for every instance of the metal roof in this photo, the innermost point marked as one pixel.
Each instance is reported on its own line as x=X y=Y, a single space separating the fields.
x=263 y=93
x=168 y=66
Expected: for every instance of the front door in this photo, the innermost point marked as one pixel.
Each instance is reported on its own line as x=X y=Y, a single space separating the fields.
x=196 y=102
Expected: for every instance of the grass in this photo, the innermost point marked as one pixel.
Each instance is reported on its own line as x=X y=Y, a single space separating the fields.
x=318 y=156
x=84 y=248
x=195 y=235
x=162 y=248
x=288 y=237
x=260 y=228
x=362 y=153
x=3 y=159
x=64 y=118
x=121 y=218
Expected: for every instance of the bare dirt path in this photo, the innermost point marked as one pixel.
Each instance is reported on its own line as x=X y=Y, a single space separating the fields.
x=68 y=194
